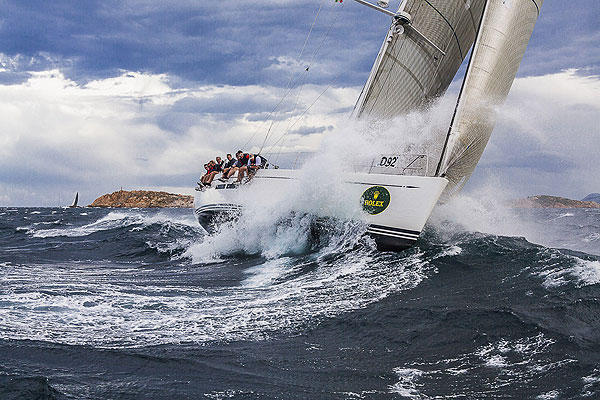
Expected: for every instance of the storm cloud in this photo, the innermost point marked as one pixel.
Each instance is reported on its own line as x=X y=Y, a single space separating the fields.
x=138 y=94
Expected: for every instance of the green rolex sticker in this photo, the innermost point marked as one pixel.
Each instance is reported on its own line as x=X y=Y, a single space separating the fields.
x=375 y=199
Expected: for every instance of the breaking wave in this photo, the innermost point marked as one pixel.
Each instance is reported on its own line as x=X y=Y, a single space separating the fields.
x=252 y=280
x=472 y=303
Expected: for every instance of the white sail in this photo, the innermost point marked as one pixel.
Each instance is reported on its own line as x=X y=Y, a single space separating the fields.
x=410 y=72
x=426 y=45
x=506 y=28
x=75 y=201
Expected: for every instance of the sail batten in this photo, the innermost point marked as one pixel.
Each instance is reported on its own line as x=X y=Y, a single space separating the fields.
x=409 y=71
x=418 y=61
x=505 y=31
x=451 y=27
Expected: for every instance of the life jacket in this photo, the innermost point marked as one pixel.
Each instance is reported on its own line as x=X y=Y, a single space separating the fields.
x=245 y=159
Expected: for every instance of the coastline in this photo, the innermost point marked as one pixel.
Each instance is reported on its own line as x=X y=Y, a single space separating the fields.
x=545 y=201
x=143 y=199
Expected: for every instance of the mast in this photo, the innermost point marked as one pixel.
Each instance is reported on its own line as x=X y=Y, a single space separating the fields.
x=374 y=69
x=381 y=53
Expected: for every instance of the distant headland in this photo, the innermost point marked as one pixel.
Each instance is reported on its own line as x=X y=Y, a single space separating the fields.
x=143 y=199
x=543 y=201
x=592 y=197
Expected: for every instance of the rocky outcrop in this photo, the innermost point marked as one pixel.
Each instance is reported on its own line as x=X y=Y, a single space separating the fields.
x=551 y=202
x=595 y=197
x=143 y=199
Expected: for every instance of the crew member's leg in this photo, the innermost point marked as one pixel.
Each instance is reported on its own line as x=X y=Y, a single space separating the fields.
x=251 y=172
x=232 y=172
x=211 y=176
x=241 y=173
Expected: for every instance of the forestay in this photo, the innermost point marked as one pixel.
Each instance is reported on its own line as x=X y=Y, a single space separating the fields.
x=409 y=72
x=506 y=28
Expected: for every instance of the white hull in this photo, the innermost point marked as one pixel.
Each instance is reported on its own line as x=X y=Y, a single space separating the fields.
x=396 y=207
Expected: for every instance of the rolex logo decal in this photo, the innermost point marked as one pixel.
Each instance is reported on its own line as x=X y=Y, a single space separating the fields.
x=375 y=199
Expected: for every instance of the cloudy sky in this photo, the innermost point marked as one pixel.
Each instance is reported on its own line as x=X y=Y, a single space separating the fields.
x=138 y=94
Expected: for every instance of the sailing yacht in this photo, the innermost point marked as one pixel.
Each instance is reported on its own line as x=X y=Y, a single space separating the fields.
x=425 y=45
x=75 y=201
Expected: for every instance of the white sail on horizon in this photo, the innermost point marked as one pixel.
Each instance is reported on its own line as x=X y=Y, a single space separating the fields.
x=75 y=201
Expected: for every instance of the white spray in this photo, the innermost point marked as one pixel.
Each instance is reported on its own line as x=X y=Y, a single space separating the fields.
x=280 y=223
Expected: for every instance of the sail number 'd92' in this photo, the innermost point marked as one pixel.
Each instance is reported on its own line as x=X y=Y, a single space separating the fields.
x=388 y=161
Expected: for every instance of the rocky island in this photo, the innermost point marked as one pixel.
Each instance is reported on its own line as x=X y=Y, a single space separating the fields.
x=143 y=199
x=543 y=201
x=595 y=197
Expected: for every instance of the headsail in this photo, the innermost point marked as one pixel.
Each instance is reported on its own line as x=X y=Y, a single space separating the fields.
x=506 y=28
x=409 y=72
x=75 y=201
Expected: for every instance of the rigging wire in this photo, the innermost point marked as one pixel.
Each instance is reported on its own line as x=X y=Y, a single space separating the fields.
x=325 y=36
x=302 y=76
x=273 y=120
x=310 y=31
x=289 y=122
x=300 y=117
x=272 y=111
x=287 y=88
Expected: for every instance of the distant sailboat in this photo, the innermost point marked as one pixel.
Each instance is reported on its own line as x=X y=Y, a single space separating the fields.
x=74 y=205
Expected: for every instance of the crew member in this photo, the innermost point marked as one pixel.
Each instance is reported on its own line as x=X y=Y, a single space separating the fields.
x=213 y=170
x=230 y=163
x=243 y=160
x=254 y=163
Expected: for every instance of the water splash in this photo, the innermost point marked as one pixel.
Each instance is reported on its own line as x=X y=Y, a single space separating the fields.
x=277 y=223
x=487 y=210
x=126 y=306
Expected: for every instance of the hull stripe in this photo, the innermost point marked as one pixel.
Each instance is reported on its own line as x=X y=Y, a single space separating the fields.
x=392 y=229
x=225 y=207
x=211 y=210
x=216 y=208
x=206 y=210
x=414 y=239
x=394 y=234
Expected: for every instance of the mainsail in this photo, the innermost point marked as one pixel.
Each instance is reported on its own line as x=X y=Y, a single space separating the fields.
x=506 y=28
x=409 y=72
x=419 y=59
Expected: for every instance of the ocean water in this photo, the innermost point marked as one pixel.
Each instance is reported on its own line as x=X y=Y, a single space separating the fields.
x=141 y=304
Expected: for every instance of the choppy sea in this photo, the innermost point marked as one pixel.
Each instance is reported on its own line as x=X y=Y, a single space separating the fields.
x=141 y=304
